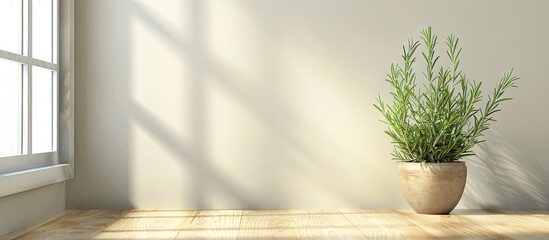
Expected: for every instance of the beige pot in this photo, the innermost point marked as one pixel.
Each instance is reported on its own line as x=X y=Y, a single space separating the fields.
x=432 y=188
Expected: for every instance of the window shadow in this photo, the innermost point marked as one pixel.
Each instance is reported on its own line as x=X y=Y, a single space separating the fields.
x=204 y=72
x=502 y=176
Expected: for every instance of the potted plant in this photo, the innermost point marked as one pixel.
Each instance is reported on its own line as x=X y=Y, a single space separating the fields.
x=434 y=124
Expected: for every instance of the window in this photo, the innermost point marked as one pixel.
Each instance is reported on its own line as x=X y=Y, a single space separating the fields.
x=28 y=84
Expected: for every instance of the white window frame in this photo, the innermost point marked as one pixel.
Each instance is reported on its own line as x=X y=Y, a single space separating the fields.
x=28 y=171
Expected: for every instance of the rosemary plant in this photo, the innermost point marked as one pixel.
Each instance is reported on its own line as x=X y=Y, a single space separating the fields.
x=440 y=122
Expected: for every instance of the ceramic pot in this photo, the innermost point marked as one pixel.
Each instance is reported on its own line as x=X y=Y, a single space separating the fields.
x=432 y=188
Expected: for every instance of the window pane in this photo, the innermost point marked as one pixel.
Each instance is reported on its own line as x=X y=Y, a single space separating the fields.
x=11 y=25
x=42 y=30
x=44 y=86
x=11 y=109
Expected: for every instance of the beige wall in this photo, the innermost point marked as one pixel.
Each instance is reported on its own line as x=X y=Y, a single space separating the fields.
x=268 y=104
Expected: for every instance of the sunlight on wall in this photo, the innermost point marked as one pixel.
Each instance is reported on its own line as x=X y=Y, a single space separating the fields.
x=268 y=104
x=231 y=117
x=160 y=79
x=238 y=42
x=159 y=83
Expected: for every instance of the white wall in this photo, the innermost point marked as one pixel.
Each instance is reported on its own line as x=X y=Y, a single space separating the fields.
x=19 y=210
x=268 y=104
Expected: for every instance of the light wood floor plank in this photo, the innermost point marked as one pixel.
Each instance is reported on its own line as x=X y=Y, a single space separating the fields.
x=384 y=223
x=75 y=224
x=147 y=225
x=268 y=224
x=512 y=224
x=450 y=226
x=212 y=224
x=325 y=224
x=290 y=224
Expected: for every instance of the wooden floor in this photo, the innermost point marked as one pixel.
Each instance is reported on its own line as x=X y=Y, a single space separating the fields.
x=290 y=224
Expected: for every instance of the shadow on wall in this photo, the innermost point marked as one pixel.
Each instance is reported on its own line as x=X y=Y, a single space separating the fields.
x=197 y=131
x=505 y=177
x=279 y=118
x=99 y=110
x=209 y=177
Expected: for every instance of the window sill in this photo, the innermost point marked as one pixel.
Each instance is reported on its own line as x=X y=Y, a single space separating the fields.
x=20 y=181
